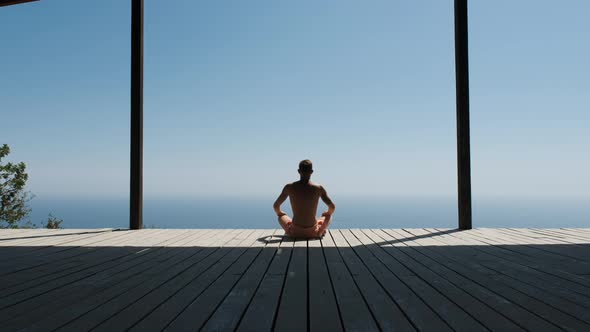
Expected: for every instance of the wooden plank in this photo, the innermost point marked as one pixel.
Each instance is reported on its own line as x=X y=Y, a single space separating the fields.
x=550 y=283
x=501 y=278
x=81 y=256
x=205 y=254
x=35 y=295
x=553 y=261
x=261 y=313
x=421 y=294
x=539 y=286
x=52 y=237
x=38 y=295
x=54 y=254
x=170 y=298
x=556 y=247
x=48 y=267
x=518 y=268
x=508 y=310
x=462 y=303
x=90 y=290
x=519 y=245
x=210 y=292
x=30 y=256
x=37 y=235
x=17 y=234
x=230 y=312
x=578 y=237
x=573 y=306
x=354 y=311
x=293 y=313
x=585 y=231
x=548 y=236
x=108 y=289
x=323 y=310
x=381 y=289
x=525 y=256
x=485 y=277
x=432 y=252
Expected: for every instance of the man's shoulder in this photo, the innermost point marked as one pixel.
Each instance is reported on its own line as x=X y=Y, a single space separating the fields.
x=317 y=185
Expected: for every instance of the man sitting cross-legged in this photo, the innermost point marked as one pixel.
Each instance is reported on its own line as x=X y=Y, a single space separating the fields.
x=304 y=196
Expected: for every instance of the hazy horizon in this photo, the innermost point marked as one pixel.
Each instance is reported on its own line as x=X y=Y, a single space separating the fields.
x=350 y=213
x=274 y=194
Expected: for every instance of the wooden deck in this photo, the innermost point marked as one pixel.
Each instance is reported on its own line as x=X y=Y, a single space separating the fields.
x=256 y=280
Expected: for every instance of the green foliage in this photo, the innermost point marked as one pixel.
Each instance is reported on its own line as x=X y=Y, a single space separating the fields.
x=53 y=222
x=13 y=197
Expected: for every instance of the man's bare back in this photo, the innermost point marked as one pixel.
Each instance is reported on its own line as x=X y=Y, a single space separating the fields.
x=304 y=196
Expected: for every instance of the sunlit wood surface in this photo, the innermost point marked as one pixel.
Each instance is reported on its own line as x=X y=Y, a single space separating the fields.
x=256 y=280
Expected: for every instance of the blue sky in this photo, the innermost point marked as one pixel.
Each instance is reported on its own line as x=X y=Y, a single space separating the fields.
x=237 y=92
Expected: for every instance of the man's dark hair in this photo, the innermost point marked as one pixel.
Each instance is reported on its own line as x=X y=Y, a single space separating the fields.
x=305 y=165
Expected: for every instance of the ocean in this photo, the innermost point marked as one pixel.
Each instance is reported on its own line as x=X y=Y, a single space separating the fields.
x=350 y=213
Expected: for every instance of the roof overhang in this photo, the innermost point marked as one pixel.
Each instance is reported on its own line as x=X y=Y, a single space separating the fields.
x=13 y=2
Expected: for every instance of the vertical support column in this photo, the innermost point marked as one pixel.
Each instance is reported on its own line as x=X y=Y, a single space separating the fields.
x=136 y=165
x=463 y=146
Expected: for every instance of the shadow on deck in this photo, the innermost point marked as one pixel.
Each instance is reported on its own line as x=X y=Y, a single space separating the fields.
x=414 y=279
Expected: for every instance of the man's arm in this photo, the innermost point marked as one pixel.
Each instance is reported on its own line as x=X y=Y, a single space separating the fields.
x=328 y=201
x=282 y=197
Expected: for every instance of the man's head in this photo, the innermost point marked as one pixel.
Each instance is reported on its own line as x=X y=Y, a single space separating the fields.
x=305 y=168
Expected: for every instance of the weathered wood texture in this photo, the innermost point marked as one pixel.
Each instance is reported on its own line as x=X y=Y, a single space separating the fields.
x=256 y=280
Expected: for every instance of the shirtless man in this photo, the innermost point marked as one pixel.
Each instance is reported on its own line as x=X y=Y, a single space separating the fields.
x=304 y=196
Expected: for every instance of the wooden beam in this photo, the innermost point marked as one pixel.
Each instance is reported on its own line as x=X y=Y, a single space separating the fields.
x=136 y=164
x=13 y=2
x=462 y=88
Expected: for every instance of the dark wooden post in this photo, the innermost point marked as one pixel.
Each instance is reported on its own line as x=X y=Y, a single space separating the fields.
x=136 y=165
x=463 y=148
